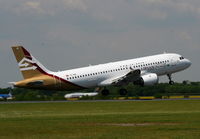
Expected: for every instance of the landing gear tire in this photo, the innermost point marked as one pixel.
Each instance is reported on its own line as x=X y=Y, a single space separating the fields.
x=171 y=82
x=123 y=92
x=105 y=92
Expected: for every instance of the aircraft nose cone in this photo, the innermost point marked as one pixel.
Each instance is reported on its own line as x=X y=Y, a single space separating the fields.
x=188 y=63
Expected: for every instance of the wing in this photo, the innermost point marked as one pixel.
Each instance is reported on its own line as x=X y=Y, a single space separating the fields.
x=132 y=76
x=129 y=77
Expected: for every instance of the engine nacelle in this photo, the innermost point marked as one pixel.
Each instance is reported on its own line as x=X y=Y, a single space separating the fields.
x=147 y=80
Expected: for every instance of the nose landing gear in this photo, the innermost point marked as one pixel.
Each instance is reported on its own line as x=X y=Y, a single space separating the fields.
x=171 y=82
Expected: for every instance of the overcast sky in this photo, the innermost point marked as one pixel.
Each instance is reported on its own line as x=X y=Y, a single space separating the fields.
x=64 y=34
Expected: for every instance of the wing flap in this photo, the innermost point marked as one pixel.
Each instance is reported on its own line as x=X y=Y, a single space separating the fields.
x=129 y=77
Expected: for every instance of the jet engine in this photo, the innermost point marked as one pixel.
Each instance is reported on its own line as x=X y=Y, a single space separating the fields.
x=147 y=80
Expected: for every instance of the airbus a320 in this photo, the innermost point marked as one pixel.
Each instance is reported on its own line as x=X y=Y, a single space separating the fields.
x=142 y=71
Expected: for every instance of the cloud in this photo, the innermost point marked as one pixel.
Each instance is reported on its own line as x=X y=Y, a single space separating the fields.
x=43 y=7
x=105 y=10
x=32 y=6
x=76 y=4
x=180 y=6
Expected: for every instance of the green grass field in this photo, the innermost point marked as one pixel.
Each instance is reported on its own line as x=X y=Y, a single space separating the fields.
x=176 y=119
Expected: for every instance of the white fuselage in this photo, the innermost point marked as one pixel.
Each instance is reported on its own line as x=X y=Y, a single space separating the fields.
x=80 y=95
x=99 y=75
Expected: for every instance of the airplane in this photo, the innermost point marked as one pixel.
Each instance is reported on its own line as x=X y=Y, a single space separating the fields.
x=6 y=96
x=80 y=95
x=144 y=71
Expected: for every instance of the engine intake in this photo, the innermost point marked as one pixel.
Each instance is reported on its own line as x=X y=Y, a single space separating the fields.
x=147 y=80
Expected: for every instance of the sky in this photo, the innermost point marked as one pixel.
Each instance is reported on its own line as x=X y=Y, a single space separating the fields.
x=65 y=34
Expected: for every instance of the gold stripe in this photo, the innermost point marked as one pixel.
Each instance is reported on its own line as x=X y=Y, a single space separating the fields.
x=49 y=83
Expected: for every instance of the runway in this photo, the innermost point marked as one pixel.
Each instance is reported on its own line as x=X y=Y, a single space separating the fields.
x=69 y=101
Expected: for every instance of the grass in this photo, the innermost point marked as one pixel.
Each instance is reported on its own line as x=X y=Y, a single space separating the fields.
x=176 y=119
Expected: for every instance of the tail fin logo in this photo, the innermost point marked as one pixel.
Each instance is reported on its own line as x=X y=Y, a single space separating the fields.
x=26 y=64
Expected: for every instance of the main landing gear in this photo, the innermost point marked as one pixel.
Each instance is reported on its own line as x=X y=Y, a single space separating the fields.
x=105 y=92
x=170 y=79
x=122 y=92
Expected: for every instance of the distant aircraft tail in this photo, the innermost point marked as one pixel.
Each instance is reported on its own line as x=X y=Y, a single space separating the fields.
x=10 y=93
x=28 y=65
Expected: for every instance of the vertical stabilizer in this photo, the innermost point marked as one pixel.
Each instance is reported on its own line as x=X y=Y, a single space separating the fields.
x=28 y=65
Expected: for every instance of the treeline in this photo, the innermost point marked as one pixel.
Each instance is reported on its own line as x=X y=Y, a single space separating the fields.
x=20 y=94
x=158 y=91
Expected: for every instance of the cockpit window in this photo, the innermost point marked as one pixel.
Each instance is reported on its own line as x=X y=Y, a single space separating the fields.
x=181 y=58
